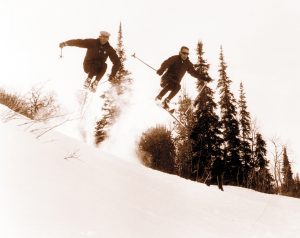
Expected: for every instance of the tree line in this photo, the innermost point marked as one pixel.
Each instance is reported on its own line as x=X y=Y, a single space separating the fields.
x=214 y=130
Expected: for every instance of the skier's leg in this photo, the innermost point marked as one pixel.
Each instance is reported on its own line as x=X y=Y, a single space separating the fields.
x=174 y=91
x=87 y=82
x=89 y=69
x=208 y=179
x=100 y=73
x=163 y=92
x=174 y=88
x=221 y=175
x=164 y=83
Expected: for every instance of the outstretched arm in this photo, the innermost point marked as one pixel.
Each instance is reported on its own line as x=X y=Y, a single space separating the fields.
x=191 y=70
x=166 y=64
x=116 y=62
x=86 y=43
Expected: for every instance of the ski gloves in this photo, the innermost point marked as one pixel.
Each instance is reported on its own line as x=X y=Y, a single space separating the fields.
x=63 y=44
x=160 y=72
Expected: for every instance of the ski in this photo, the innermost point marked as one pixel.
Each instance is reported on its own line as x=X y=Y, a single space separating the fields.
x=171 y=113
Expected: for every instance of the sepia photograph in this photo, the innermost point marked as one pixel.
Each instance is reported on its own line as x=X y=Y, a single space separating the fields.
x=149 y=119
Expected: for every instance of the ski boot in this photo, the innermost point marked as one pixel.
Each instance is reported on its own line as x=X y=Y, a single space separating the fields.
x=93 y=86
x=165 y=104
x=158 y=98
x=87 y=83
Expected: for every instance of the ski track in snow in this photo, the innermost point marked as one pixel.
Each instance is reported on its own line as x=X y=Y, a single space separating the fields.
x=56 y=186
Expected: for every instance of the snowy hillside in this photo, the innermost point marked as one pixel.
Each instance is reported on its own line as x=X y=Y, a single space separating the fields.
x=55 y=186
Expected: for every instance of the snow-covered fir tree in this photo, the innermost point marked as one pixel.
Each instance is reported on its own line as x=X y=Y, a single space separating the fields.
x=113 y=100
x=182 y=136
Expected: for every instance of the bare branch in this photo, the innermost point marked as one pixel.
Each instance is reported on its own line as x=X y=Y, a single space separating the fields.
x=55 y=126
x=72 y=155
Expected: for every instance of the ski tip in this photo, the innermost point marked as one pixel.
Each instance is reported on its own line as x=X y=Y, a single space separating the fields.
x=133 y=55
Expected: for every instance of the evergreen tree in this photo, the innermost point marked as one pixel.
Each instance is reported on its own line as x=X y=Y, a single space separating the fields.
x=260 y=151
x=110 y=113
x=230 y=127
x=288 y=182
x=113 y=101
x=182 y=138
x=261 y=177
x=296 y=190
x=245 y=131
x=205 y=133
x=122 y=79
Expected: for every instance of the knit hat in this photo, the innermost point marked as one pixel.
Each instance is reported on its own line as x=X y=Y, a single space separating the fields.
x=104 y=33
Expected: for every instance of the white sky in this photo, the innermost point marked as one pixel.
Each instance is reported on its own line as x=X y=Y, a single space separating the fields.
x=260 y=41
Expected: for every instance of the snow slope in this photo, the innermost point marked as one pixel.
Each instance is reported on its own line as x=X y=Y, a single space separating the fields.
x=92 y=194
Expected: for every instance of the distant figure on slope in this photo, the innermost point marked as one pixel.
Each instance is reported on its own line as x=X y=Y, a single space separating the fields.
x=217 y=173
x=176 y=67
x=98 y=50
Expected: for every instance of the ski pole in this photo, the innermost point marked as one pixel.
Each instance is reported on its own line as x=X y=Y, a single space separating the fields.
x=61 y=55
x=204 y=85
x=134 y=56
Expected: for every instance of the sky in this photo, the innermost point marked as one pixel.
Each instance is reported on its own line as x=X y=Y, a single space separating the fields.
x=259 y=38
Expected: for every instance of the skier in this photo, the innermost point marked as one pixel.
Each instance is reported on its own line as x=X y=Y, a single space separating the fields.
x=176 y=67
x=98 y=50
x=217 y=172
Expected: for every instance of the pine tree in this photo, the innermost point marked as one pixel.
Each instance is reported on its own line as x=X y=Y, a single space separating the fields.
x=122 y=79
x=230 y=126
x=202 y=66
x=261 y=179
x=296 y=190
x=205 y=134
x=287 y=174
x=260 y=151
x=113 y=100
x=245 y=131
x=182 y=137
x=110 y=114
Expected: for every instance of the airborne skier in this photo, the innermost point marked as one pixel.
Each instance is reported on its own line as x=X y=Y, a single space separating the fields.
x=98 y=50
x=176 y=67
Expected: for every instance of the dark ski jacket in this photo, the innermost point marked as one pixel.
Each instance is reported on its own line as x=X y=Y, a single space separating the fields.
x=176 y=69
x=97 y=53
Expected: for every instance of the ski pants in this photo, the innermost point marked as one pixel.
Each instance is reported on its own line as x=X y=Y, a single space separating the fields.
x=169 y=84
x=217 y=177
x=95 y=69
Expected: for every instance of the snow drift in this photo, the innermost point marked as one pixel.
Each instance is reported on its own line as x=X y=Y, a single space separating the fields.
x=55 y=186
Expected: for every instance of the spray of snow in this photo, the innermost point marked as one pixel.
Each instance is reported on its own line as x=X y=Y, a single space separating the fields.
x=138 y=113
